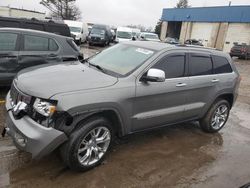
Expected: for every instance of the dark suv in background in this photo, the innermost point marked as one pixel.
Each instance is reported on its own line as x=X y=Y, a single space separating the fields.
x=241 y=51
x=35 y=24
x=22 y=48
x=100 y=35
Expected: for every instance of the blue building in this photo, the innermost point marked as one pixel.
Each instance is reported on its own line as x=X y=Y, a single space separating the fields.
x=217 y=27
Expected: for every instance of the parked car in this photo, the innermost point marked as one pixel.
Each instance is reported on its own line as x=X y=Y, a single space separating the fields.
x=127 y=88
x=149 y=37
x=170 y=40
x=21 y=48
x=123 y=34
x=100 y=34
x=79 y=30
x=193 y=42
x=35 y=24
x=241 y=51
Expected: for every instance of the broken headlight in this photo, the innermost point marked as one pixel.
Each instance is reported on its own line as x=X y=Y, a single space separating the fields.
x=44 y=107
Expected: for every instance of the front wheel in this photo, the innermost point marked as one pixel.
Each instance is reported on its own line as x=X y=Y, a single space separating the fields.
x=216 y=117
x=88 y=145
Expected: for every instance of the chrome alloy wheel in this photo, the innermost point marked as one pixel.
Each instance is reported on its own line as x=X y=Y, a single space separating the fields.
x=220 y=117
x=94 y=145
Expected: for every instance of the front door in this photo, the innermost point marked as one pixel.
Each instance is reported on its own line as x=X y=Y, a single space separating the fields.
x=159 y=103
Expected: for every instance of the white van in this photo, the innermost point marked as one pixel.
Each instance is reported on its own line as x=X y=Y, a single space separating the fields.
x=79 y=30
x=136 y=32
x=123 y=34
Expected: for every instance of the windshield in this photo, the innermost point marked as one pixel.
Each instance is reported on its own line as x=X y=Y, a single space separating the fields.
x=121 y=59
x=97 y=31
x=75 y=29
x=124 y=34
x=151 y=36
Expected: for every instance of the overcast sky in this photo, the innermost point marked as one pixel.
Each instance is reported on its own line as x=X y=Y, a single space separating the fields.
x=122 y=12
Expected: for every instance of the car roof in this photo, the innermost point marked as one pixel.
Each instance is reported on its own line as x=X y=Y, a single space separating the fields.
x=159 y=46
x=31 y=31
x=127 y=29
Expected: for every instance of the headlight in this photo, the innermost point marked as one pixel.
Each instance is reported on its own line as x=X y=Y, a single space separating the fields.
x=44 y=108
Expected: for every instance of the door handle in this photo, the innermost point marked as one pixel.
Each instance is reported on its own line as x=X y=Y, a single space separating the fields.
x=52 y=55
x=215 y=80
x=181 y=85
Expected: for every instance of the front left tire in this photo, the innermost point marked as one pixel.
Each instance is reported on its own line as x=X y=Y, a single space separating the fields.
x=88 y=145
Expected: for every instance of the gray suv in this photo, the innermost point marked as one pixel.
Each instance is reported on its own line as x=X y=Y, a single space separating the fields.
x=134 y=86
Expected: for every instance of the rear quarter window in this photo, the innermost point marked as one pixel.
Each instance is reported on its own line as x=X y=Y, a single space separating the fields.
x=221 y=65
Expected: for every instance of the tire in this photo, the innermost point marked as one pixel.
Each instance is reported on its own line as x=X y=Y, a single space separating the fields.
x=70 y=150
x=212 y=123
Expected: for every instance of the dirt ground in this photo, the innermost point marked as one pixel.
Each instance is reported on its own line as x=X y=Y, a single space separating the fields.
x=175 y=156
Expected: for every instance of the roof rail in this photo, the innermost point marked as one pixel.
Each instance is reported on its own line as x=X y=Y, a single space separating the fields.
x=196 y=46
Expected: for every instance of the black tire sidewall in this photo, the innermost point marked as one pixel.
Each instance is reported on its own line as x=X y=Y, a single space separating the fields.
x=69 y=151
x=206 y=121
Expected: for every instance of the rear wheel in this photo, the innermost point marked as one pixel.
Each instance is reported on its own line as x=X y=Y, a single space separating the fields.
x=216 y=117
x=87 y=146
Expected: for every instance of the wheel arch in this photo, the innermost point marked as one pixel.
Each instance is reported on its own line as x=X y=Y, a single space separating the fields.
x=110 y=114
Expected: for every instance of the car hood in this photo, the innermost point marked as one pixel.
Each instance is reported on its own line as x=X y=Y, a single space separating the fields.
x=47 y=81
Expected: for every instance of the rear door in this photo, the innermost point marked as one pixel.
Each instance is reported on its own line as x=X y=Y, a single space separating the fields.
x=37 y=50
x=8 y=56
x=202 y=85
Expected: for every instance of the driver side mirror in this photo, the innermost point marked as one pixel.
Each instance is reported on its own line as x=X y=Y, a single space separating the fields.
x=154 y=75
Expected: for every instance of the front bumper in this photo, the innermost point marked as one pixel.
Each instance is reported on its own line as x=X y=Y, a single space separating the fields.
x=39 y=140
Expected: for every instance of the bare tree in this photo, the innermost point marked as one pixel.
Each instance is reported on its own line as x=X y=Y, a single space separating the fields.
x=63 y=9
x=182 y=4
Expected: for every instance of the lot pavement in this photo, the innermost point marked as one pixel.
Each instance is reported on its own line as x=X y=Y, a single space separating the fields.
x=175 y=156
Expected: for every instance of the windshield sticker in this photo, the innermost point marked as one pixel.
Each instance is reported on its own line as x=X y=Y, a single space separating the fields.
x=144 y=51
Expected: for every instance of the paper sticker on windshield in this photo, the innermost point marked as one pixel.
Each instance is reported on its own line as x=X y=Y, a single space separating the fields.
x=144 y=51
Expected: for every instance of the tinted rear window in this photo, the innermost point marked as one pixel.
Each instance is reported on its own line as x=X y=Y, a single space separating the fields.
x=8 y=41
x=221 y=65
x=35 y=43
x=200 y=65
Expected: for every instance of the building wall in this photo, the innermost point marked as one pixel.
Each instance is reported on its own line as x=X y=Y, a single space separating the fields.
x=19 y=13
x=26 y=14
x=164 y=28
x=220 y=35
x=186 y=30
x=4 y=11
x=237 y=32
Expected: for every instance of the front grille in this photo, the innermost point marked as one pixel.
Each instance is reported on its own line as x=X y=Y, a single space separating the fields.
x=17 y=96
x=96 y=39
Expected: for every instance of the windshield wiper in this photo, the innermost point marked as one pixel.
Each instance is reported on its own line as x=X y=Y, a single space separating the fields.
x=98 y=67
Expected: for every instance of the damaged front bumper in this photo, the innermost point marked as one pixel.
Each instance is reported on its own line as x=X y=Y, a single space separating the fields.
x=30 y=136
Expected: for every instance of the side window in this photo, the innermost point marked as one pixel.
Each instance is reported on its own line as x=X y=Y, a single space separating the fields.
x=221 y=65
x=8 y=41
x=200 y=65
x=173 y=66
x=52 y=45
x=35 y=43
